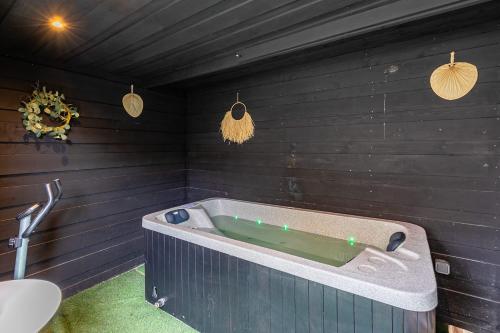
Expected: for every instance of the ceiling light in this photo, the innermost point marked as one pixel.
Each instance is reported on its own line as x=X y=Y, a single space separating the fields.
x=57 y=23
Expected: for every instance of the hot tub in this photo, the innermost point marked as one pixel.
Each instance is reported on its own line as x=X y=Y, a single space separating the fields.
x=224 y=265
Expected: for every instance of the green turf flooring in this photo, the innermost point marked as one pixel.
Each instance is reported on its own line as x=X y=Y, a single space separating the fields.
x=116 y=305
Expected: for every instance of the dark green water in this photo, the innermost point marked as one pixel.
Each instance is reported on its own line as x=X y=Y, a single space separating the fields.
x=327 y=250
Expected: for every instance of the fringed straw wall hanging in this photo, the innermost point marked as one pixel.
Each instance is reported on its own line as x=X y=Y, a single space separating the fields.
x=133 y=103
x=453 y=80
x=239 y=129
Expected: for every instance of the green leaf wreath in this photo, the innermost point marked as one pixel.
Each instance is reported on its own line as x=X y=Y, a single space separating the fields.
x=51 y=104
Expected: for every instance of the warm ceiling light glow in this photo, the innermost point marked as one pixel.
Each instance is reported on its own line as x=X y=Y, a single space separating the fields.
x=57 y=23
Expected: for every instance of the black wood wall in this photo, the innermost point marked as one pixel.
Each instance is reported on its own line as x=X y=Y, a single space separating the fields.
x=115 y=170
x=362 y=133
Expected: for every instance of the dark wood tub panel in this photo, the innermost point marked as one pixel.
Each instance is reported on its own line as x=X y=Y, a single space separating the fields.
x=215 y=292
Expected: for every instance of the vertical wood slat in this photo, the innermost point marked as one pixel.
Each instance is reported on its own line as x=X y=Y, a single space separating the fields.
x=259 y=300
x=276 y=300
x=157 y=238
x=345 y=310
x=431 y=322
x=252 y=295
x=380 y=314
x=316 y=307
x=186 y=296
x=147 y=266
x=165 y=282
x=301 y=305
x=331 y=311
x=178 y=278
x=233 y=288
x=363 y=322
x=243 y=322
x=397 y=320
x=191 y=285
x=152 y=263
x=162 y=290
x=410 y=322
x=208 y=288
x=215 y=292
x=224 y=311
x=289 y=314
x=171 y=273
x=168 y=289
x=198 y=288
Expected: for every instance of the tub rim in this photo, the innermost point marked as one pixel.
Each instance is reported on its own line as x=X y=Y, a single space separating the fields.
x=413 y=290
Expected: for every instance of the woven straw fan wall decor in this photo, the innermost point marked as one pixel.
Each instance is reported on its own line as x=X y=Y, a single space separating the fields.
x=237 y=130
x=454 y=80
x=133 y=103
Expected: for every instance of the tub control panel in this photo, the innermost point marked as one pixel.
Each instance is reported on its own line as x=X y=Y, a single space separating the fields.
x=442 y=266
x=177 y=216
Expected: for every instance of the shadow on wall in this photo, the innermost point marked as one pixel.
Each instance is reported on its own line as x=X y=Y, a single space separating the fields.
x=54 y=146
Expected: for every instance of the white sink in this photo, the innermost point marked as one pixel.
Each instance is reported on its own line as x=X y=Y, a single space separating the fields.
x=27 y=305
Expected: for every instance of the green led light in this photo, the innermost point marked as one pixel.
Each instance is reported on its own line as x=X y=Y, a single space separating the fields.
x=285 y=227
x=259 y=221
x=236 y=217
x=351 y=241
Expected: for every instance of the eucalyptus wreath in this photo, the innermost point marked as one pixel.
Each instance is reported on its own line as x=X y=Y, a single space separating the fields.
x=52 y=104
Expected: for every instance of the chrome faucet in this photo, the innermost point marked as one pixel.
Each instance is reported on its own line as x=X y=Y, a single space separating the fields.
x=161 y=302
x=27 y=226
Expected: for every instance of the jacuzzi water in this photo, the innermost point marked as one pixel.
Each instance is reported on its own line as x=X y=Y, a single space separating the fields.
x=327 y=250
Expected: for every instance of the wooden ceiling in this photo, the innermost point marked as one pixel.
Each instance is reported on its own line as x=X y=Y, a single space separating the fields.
x=159 y=42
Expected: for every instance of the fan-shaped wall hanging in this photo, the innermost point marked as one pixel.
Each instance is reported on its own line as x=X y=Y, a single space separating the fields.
x=237 y=130
x=133 y=103
x=453 y=80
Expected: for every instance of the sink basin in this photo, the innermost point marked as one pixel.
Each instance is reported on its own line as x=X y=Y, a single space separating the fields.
x=27 y=305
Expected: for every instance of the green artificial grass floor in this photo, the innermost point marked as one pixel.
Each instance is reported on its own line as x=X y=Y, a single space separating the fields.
x=116 y=305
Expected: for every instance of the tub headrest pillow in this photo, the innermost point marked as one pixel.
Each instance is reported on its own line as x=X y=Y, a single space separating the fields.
x=199 y=218
x=177 y=216
x=395 y=241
